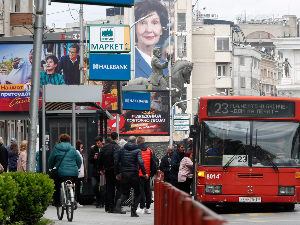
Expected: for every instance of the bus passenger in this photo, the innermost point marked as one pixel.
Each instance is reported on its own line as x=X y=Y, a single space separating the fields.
x=216 y=149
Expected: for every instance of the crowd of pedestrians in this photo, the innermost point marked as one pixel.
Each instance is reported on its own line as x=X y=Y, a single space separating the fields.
x=177 y=167
x=12 y=157
x=120 y=170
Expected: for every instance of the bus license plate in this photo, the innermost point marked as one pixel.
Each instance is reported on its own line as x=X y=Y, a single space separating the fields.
x=249 y=199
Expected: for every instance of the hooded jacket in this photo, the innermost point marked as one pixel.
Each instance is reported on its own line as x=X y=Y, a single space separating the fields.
x=146 y=155
x=130 y=158
x=71 y=162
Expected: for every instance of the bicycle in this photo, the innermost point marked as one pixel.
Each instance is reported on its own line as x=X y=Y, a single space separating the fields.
x=67 y=191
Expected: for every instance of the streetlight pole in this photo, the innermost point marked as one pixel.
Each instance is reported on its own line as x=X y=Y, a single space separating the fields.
x=170 y=77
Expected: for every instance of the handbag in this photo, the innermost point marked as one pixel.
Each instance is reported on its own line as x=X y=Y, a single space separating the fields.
x=53 y=174
x=1 y=168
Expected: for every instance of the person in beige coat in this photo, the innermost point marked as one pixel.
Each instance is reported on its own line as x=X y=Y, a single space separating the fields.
x=22 y=157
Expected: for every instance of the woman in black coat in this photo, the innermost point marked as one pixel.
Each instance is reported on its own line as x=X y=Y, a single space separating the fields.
x=3 y=155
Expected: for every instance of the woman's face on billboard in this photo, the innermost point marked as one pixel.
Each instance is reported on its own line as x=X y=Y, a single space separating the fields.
x=148 y=31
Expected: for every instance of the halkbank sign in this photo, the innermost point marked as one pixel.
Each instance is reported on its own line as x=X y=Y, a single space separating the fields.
x=108 y=38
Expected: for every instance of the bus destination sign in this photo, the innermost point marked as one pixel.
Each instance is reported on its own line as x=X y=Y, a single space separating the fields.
x=250 y=108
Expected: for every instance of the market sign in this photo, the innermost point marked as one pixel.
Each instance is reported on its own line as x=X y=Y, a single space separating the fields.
x=109 y=38
x=124 y=3
x=136 y=100
x=109 y=67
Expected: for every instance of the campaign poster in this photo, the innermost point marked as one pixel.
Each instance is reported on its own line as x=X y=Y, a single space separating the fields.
x=59 y=66
x=152 y=32
x=149 y=122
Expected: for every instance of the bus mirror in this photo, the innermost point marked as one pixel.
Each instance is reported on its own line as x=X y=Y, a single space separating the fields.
x=193 y=131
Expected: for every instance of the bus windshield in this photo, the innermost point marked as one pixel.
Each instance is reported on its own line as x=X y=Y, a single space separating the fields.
x=234 y=143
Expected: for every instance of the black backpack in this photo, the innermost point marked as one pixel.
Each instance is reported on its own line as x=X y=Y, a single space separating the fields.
x=154 y=164
x=107 y=156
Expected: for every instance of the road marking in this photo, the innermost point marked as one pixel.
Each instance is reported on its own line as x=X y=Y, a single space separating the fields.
x=259 y=214
x=234 y=214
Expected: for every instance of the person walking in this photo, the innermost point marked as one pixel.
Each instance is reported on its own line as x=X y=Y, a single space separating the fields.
x=106 y=165
x=82 y=176
x=145 y=183
x=95 y=150
x=130 y=157
x=66 y=158
x=177 y=156
x=165 y=164
x=3 y=155
x=22 y=160
x=13 y=157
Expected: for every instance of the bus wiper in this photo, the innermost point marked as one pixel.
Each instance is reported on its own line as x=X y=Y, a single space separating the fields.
x=265 y=156
x=232 y=158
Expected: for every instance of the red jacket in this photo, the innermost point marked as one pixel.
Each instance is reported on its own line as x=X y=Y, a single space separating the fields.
x=146 y=155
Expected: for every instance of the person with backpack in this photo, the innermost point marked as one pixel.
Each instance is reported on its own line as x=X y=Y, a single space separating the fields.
x=106 y=166
x=145 y=183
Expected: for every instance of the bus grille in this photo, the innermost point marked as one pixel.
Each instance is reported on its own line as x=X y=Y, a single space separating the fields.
x=250 y=175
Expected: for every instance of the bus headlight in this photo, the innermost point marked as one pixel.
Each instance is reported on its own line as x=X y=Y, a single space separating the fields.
x=201 y=174
x=286 y=190
x=213 y=189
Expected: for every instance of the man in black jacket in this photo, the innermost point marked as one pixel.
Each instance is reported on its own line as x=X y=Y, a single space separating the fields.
x=95 y=150
x=106 y=166
x=177 y=156
x=165 y=164
x=130 y=158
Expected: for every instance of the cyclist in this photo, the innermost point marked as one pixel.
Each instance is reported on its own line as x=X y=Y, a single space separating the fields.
x=69 y=164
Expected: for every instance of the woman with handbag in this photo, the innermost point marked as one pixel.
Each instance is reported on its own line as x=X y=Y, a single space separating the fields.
x=67 y=161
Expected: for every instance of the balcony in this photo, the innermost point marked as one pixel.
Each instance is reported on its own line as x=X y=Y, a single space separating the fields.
x=223 y=82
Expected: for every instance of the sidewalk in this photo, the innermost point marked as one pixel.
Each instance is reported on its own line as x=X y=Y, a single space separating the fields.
x=89 y=214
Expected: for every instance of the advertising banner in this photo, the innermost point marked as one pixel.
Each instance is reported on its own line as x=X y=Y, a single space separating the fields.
x=108 y=38
x=149 y=122
x=110 y=66
x=59 y=66
x=136 y=100
x=151 y=32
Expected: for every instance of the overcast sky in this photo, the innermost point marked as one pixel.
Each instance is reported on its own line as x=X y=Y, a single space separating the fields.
x=225 y=9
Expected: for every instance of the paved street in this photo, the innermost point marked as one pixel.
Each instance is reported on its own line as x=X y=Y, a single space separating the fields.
x=89 y=214
x=264 y=215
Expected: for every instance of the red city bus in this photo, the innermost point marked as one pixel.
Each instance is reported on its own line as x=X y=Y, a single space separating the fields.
x=246 y=150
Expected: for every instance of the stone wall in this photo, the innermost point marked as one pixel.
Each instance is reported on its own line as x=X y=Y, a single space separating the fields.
x=159 y=148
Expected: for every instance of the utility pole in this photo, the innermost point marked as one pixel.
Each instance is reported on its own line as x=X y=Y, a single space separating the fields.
x=170 y=77
x=35 y=85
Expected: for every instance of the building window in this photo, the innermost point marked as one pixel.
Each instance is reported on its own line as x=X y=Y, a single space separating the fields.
x=267 y=88
x=181 y=22
x=243 y=83
x=242 y=61
x=181 y=43
x=221 y=70
x=222 y=43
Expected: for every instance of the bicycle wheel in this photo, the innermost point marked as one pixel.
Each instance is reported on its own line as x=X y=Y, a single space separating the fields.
x=70 y=205
x=60 y=212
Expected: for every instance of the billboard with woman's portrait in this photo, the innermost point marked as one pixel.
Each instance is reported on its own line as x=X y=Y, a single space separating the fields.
x=151 y=32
